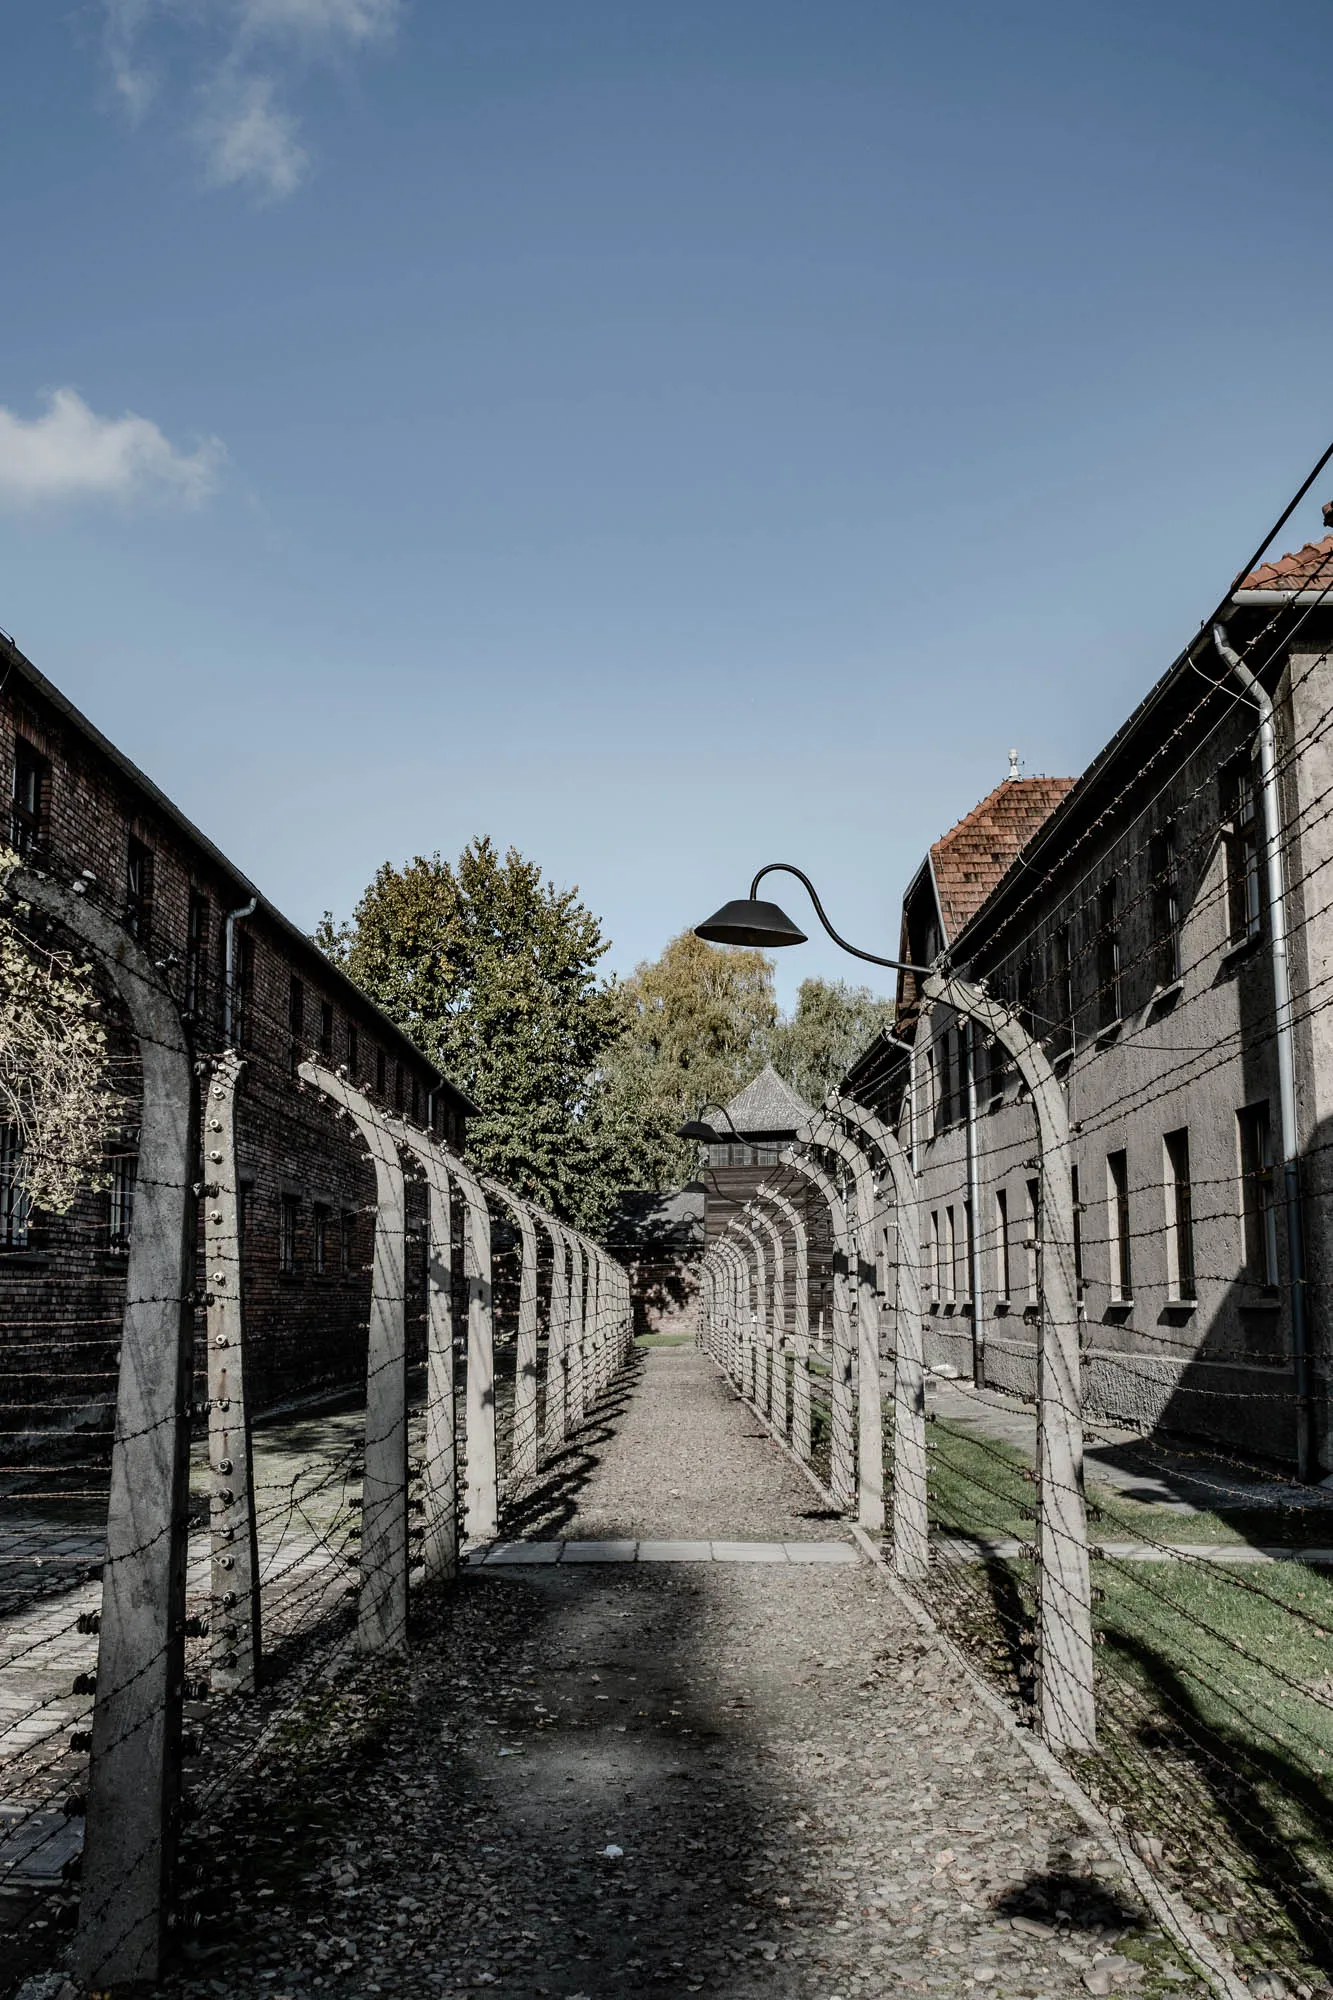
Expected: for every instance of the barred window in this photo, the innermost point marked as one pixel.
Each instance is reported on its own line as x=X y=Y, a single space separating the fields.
x=138 y=889
x=120 y=1209
x=1258 y=1207
x=1180 y=1217
x=287 y=1221
x=27 y=816
x=14 y=1202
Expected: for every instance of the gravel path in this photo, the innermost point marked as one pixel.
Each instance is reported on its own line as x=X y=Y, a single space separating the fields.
x=731 y=1780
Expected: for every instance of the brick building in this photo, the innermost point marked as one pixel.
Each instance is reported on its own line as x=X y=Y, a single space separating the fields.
x=245 y=977
x=1126 y=916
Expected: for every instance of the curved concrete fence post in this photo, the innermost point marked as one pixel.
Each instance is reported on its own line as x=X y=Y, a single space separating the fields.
x=381 y=1624
x=440 y=1459
x=234 y=1618
x=134 y=1776
x=482 y=1504
x=800 y=1371
x=843 y=1472
x=578 y=1328
x=744 y=1287
x=869 y=1409
x=732 y=1354
x=523 y=1448
x=756 y=1239
x=776 y=1411
x=555 y=1415
x=1064 y=1606
x=911 y=1544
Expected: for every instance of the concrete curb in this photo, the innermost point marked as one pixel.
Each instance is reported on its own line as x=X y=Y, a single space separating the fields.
x=1170 y=1909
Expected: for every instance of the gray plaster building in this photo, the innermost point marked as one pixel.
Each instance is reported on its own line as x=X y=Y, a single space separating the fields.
x=1128 y=917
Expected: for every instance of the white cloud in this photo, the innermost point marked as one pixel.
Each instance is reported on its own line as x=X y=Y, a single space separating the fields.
x=135 y=84
x=71 y=453
x=320 y=21
x=249 y=140
x=247 y=136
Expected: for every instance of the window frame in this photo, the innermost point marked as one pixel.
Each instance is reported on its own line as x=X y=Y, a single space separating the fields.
x=1119 y=1228
x=1258 y=1194
x=1182 y=1266
x=28 y=822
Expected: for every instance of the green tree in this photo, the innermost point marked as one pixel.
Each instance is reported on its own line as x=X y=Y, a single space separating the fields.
x=493 y=973
x=696 y=1023
x=832 y=1024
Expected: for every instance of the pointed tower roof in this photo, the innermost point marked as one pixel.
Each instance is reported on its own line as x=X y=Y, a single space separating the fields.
x=768 y=1105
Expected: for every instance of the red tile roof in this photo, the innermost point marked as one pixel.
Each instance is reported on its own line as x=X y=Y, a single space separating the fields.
x=1310 y=568
x=970 y=859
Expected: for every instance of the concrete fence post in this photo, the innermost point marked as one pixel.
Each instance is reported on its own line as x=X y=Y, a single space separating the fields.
x=482 y=1505
x=523 y=1449
x=753 y=1244
x=800 y=1372
x=382 y=1610
x=911 y=1533
x=777 y=1376
x=440 y=1459
x=1066 y=1704
x=843 y=1477
x=578 y=1347
x=869 y=1411
x=133 y=1798
x=554 y=1414
x=234 y=1614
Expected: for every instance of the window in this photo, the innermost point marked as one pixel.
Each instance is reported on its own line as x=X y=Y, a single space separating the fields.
x=1002 y=1269
x=295 y=1023
x=1062 y=987
x=934 y=1253
x=398 y=1086
x=326 y=1029
x=1165 y=906
x=346 y=1223
x=1078 y=1235
x=138 y=889
x=287 y=1224
x=1026 y=1012
x=951 y=1254
x=381 y=1071
x=1108 y=957
x=321 y=1219
x=353 y=1051
x=1258 y=1207
x=120 y=1217
x=1034 y=1241
x=14 y=1202
x=196 y=952
x=27 y=817
x=1241 y=827
x=1179 y=1218
x=1117 y=1206
x=416 y=1101
x=242 y=990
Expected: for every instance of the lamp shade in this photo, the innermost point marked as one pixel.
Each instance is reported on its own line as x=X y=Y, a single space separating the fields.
x=694 y=1128
x=748 y=921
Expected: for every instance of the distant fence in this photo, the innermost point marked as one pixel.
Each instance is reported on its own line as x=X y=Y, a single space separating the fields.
x=141 y=1581
x=1175 y=1654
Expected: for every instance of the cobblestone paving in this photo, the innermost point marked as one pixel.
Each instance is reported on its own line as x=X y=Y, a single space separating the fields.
x=727 y=1778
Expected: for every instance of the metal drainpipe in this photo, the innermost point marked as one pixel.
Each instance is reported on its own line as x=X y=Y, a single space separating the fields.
x=229 y=965
x=1284 y=1040
x=974 y=1213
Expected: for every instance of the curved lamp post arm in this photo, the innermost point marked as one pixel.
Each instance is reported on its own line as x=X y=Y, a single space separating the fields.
x=870 y=957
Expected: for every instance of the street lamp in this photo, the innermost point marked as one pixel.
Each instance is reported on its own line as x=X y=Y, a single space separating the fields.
x=746 y=920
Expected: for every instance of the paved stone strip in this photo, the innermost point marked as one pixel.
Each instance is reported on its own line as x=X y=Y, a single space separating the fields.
x=522 y=1553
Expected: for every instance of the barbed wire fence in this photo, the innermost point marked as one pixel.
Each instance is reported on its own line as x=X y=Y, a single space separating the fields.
x=1165 y=1633
x=176 y=1569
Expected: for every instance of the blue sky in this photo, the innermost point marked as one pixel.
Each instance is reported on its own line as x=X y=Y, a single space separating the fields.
x=665 y=437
